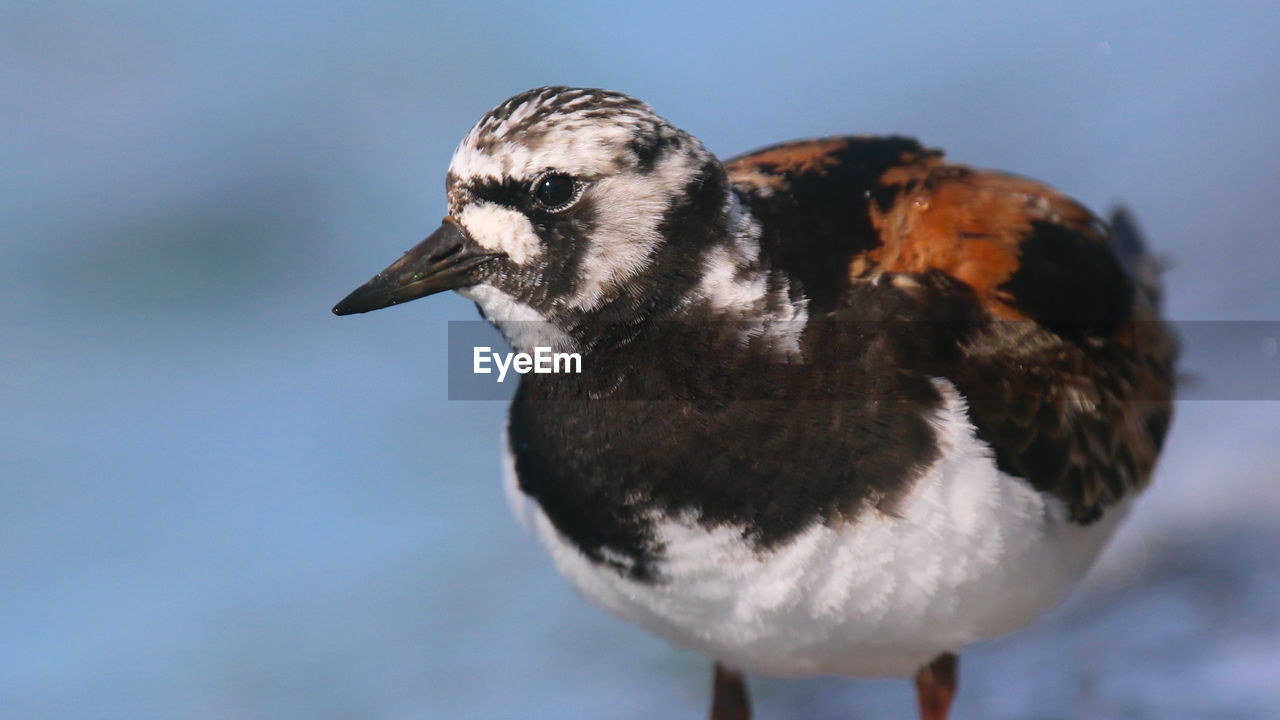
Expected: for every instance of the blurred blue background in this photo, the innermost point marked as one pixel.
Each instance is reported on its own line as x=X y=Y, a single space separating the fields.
x=219 y=501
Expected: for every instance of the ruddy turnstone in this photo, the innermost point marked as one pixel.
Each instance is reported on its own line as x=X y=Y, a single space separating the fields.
x=845 y=407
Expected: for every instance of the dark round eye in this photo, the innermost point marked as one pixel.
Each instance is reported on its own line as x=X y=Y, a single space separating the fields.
x=555 y=191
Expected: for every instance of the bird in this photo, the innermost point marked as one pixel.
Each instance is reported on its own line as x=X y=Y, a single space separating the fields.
x=845 y=407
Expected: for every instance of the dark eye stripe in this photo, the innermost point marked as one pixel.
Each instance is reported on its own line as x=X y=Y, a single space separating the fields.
x=503 y=192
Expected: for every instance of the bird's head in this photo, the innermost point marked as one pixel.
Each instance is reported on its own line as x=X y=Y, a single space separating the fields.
x=569 y=213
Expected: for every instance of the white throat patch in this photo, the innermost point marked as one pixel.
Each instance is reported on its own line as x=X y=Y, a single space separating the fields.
x=520 y=324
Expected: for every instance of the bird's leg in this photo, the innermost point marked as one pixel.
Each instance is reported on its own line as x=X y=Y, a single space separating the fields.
x=936 y=686
x=729 y=696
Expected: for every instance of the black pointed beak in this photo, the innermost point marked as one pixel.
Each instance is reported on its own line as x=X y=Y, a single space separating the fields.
x=443 y=261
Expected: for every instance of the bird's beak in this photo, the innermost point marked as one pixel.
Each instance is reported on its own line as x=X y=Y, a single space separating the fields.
x=443 y=261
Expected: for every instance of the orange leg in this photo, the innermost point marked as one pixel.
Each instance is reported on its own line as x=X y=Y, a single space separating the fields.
x=936 y=686
x=729 y=697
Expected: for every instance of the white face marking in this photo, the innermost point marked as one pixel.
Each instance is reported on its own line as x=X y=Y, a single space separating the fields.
x=523 y=326
x=501 y=229
x=629 y=209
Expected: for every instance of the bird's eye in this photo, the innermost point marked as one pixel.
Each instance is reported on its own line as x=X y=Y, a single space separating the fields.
x=555 y=191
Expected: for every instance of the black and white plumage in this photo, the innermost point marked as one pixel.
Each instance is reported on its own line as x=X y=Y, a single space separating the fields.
x=845 y=407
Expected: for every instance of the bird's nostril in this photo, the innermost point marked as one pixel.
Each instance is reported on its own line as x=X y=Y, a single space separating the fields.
x=445 y=254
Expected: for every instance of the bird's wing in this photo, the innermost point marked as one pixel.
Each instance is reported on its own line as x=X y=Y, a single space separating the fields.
x=1059 y=350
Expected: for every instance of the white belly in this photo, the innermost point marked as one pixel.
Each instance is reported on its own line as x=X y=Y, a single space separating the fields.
x=971 y=554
